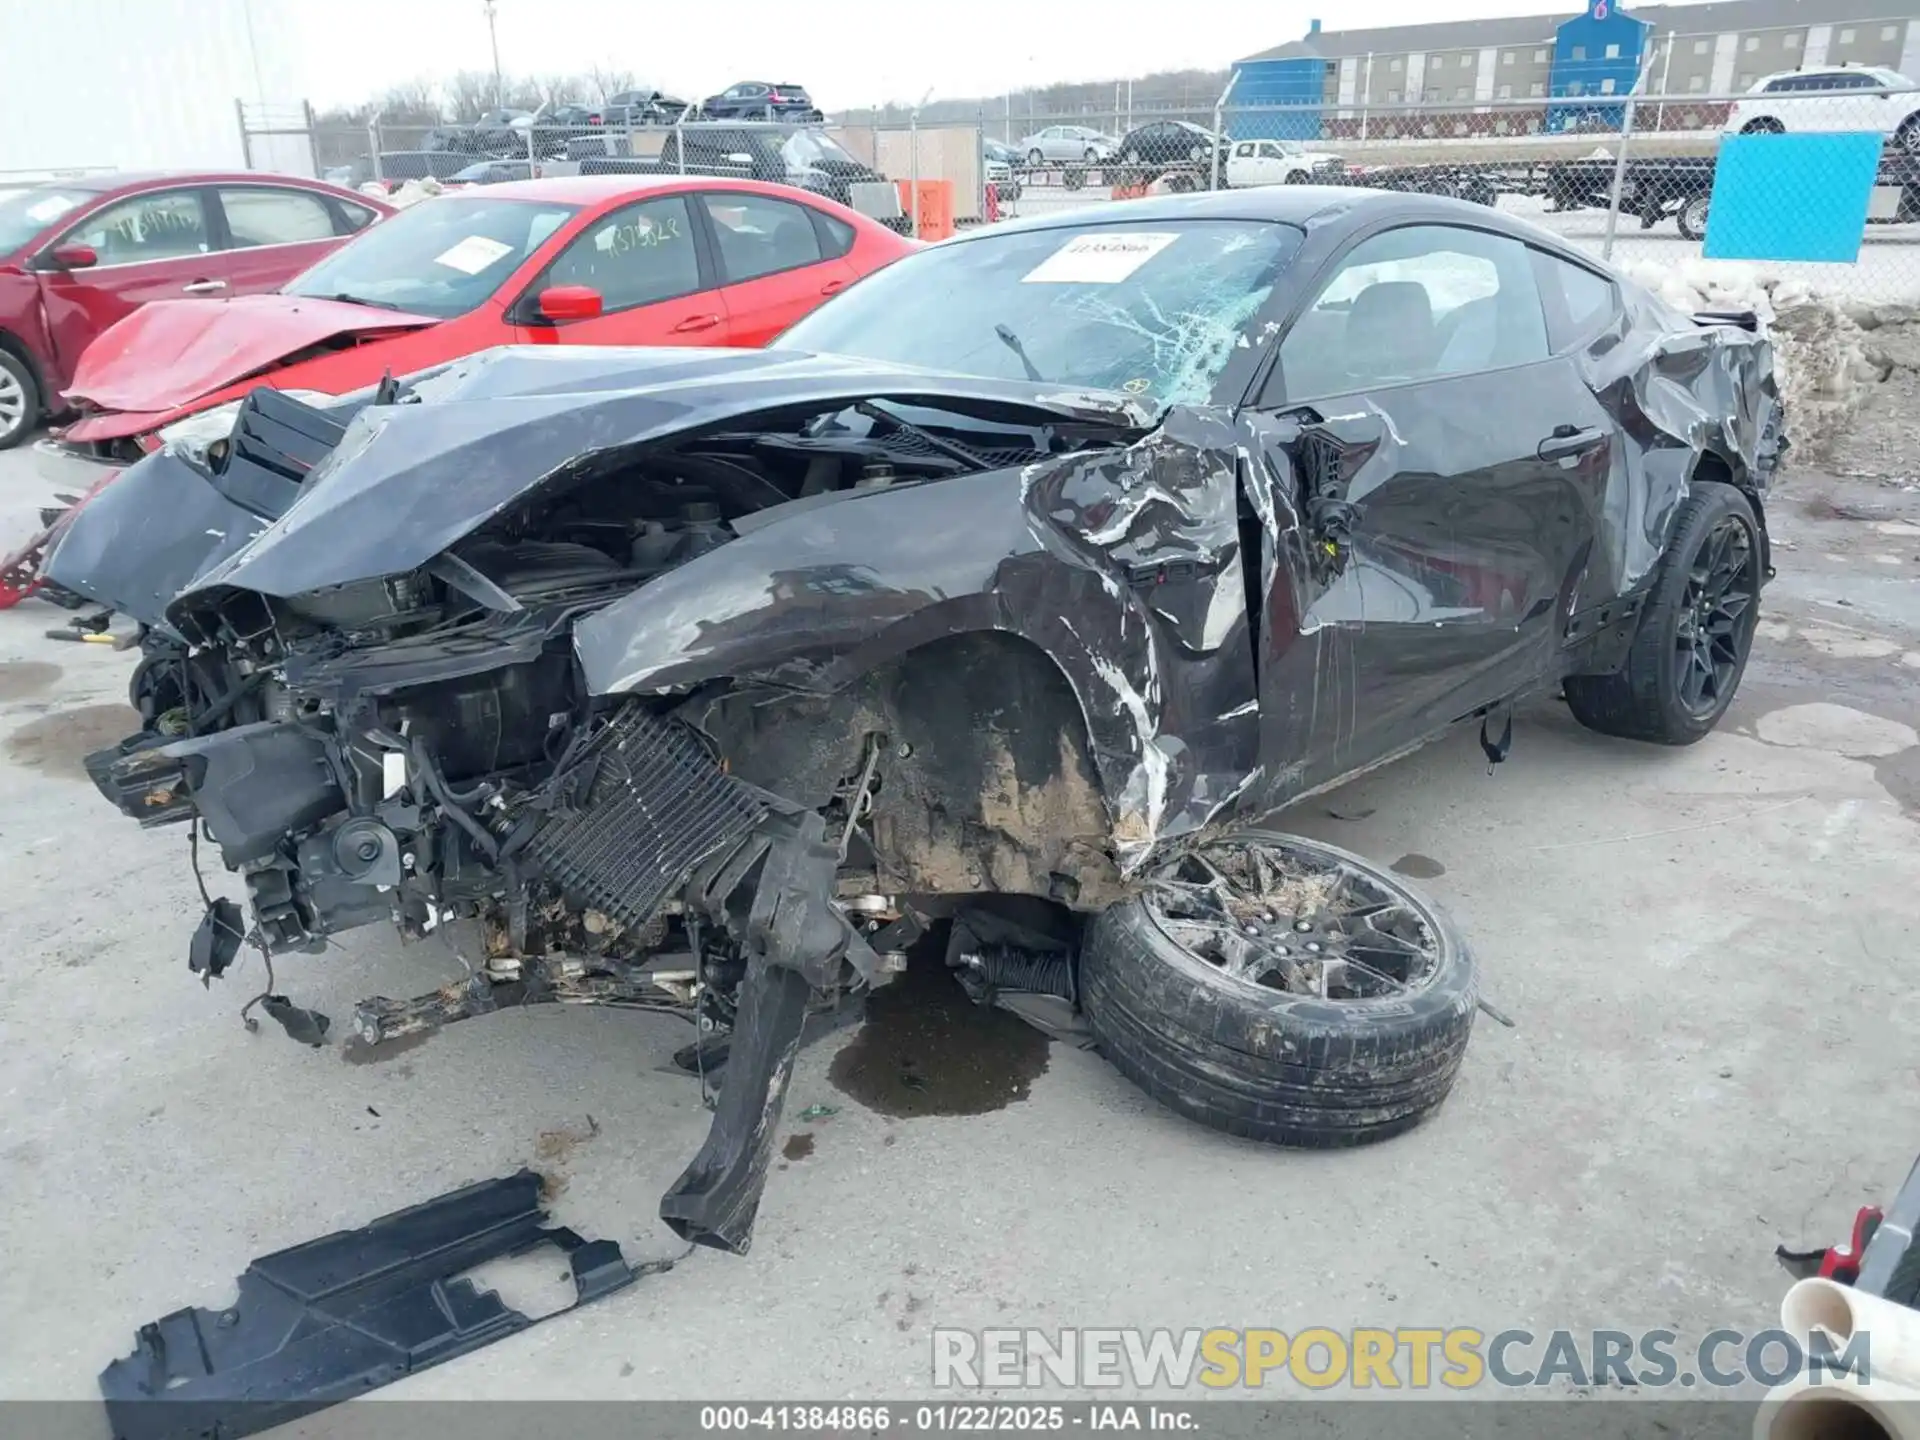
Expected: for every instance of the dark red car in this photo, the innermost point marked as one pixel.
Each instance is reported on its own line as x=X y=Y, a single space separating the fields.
x=77 y=255
x=578 y=260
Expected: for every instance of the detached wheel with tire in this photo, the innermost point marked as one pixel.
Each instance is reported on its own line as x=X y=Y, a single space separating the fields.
x=1695 y=633
x=19 y=400
x=1283 y=990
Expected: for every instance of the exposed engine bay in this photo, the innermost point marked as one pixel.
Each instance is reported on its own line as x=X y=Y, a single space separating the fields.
x=421 y=748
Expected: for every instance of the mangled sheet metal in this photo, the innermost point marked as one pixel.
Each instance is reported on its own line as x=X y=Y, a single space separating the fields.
x=1016 y=617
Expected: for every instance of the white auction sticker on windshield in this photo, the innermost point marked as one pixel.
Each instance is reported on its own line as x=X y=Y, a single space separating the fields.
x=1104 y=257
x=473 y=254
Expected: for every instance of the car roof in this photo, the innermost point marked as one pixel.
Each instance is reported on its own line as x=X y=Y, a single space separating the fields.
x=1303 y=205
x=595 y=189
x=106 y=181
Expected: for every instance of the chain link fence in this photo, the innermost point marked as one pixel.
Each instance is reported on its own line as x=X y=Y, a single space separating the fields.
x=1814 y=175
x=1821 y=183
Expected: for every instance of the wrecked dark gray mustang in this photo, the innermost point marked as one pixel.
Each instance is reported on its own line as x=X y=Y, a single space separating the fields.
x=1009 y=590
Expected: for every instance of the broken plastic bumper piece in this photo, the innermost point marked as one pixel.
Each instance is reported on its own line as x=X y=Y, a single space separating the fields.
x=345 y=1314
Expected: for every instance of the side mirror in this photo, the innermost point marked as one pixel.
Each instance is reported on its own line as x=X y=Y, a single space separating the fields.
x=72 y=257
x=570 y=302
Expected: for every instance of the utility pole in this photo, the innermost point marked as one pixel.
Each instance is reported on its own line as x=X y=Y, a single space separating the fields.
x=493 y=36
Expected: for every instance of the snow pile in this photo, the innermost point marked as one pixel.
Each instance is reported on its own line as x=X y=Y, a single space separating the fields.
x=409 y=192
x=1824 y=358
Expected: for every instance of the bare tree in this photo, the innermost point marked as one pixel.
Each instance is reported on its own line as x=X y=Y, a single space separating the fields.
x=415 y=103
x=604 y=82
x=470 y=94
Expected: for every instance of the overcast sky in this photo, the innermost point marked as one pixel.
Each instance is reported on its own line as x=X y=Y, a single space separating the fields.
x=849 y=53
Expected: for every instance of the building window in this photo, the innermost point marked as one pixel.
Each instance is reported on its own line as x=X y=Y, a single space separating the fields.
x=1463 y=93
x=1750 y=44
x=1465 y=61
x=1846 y=37
x=1613 y=52
x=1889 y=32
x=1606 y=87
x=1393 y=97
x=1701 y=47
x=1539 y=57
x=1507 y=58
x=1536 y=90
x=1393 y=65
x=1791 y=40
x=1576 y=87
x=1746 y=81
x=1506 y=92
x=1696 y=83
x=1579 y=52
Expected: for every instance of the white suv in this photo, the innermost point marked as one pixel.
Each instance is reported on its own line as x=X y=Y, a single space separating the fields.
x=1842 y=97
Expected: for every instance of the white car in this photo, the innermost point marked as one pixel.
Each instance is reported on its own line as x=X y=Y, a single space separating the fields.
x=1273 y=162
x=1068 y=145
x=1839 y=97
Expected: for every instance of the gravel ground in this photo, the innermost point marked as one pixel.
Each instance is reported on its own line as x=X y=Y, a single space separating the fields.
x=1706 y=953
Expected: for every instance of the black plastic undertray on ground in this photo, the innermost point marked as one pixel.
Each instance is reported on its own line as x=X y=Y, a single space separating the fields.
x=345 y=1314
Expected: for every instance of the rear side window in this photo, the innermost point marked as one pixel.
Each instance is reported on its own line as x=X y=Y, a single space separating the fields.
x=257 y=215
x=758 y=236
x=358 y=217
x=836 y=236
x=1586 y=301
x=635 y=256
x=1412 y=304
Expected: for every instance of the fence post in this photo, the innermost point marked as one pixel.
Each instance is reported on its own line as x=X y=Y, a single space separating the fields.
x=913 y=165
x=246 y=142
x=1620 y=161
x=1219 y=124
x=373 y=145
x=313 y=138
x=680 y=139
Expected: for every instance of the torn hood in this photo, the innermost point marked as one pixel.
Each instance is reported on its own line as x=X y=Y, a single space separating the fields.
x=409 y=480
x=171 y=352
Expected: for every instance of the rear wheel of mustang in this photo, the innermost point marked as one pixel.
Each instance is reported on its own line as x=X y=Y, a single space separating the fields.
x=1695 y=633
x=1282 y=990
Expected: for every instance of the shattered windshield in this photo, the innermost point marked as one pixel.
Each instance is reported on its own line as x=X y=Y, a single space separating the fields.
x=25 y=212
x=441 y=257
x=1153 y=309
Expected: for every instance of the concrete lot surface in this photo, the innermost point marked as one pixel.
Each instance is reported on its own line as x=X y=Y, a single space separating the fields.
x=1709 y=956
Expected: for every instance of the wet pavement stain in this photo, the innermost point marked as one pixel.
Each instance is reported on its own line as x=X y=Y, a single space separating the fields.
x=59 y=743
x=21 y=678
x=798 y=1147
x=1418 y=867
x=358 y=1052
x=926 y=1049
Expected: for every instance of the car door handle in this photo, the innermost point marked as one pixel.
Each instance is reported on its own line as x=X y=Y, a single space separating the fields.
x=203 y=287
x=1570 y=440
x=833 y=287
x=696 y=322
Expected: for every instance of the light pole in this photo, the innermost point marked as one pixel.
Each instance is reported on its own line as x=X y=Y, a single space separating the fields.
x=493 y=36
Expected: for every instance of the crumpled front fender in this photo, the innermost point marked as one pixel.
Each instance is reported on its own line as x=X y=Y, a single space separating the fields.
x=1123 y=565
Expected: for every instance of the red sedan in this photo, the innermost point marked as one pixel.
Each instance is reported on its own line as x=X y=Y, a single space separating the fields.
x=584 y=260
x=78 y=255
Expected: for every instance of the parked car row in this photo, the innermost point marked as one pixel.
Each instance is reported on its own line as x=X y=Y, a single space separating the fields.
x=546 y=133
x=78 y=256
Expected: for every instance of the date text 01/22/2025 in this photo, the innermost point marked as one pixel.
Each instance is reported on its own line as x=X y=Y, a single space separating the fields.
x=934 y=1419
